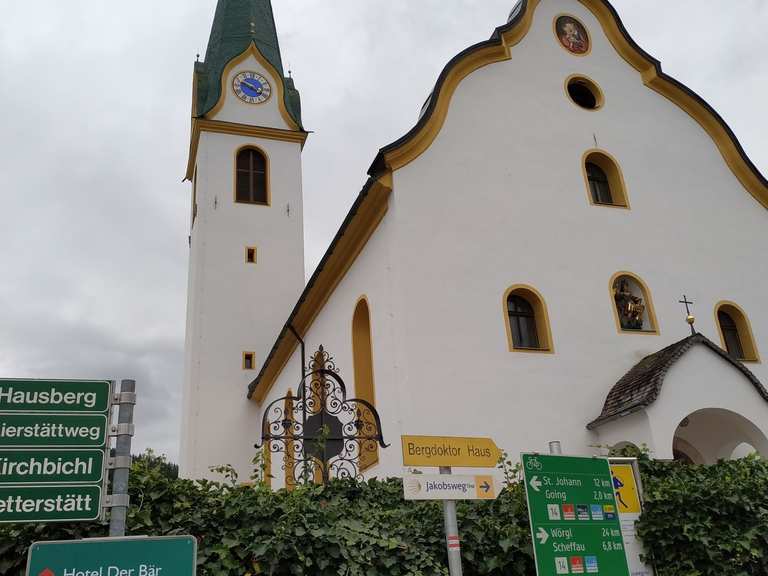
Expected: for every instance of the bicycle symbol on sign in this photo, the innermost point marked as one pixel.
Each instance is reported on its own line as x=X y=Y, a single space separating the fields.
x=534 y=464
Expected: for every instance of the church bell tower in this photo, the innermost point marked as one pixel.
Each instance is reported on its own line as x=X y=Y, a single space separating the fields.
x=246 y=264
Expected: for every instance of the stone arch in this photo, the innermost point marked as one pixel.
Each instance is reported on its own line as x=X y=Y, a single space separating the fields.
x=711 y=434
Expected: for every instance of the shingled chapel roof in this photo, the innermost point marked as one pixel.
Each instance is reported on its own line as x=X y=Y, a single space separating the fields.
x=640 y=387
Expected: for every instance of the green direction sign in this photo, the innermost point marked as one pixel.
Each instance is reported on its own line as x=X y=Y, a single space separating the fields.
x=54 y=395
x=49 y=503
x=573 y=514
x=162 y=556
x=50 y=466
x=52 y=430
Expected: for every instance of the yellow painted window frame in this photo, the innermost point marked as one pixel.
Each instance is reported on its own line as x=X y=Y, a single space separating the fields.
x=362 y=363
x=267 y=175
x=253 y=360
x=608 y=164
x=255 y=254
x=647 y=298
x=593 y=87
x=541 y=313
x=744 y=327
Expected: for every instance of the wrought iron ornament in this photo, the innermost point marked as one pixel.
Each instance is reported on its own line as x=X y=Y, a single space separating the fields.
x=319 y=431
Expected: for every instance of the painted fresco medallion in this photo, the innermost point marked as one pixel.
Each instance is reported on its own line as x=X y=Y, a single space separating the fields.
x=572 y=35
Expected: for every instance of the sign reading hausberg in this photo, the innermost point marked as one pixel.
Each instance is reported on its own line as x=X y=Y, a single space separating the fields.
x=449 y=451
x=54 y=395
x=574 y=521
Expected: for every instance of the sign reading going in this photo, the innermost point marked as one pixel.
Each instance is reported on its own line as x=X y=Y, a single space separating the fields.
x=450 y=451
x=573 y=515
x=49 y=503
x=448 y=487
x=137 y=556
x=54 y=395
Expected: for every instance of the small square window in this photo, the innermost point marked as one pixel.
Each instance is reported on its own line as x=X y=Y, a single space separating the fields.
x=250 y=255
x=248 y=360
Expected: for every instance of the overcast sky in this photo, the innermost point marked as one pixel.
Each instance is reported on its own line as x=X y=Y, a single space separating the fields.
x=95 y=101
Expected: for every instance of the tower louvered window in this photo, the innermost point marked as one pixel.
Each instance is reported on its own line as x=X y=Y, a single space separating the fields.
x=251 y=185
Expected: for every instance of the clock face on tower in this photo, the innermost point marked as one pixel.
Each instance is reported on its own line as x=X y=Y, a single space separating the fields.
x=251 y=87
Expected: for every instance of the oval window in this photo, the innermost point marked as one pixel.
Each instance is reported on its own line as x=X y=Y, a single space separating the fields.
x=584 y=93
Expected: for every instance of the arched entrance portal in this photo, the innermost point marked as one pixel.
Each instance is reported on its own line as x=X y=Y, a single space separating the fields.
x=712 y=434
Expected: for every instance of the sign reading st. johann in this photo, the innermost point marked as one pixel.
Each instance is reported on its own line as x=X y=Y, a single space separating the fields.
x=136 y=556
x=573 y=515
x=53 y=434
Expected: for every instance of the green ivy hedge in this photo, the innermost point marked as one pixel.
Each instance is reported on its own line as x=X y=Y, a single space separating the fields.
x=698 y=521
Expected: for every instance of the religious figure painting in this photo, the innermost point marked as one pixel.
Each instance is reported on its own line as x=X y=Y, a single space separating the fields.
x=572 y=35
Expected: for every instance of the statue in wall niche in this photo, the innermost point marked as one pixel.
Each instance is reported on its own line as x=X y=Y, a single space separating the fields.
x=629 y=306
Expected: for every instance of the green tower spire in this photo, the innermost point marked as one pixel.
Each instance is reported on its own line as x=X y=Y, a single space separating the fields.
x=237 y=24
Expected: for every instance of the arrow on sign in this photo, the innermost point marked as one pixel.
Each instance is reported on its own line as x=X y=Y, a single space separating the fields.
x=536 y=483
x=485 y=486
x=542 y=536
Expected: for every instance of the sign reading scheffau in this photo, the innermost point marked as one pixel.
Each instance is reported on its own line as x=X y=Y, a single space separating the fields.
x=53 y=434
x=142 y=556
x=448 y=487
x=455 y=451
x=573 y=515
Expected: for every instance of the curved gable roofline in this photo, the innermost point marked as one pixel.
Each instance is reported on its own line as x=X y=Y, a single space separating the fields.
x=641 y=386
x=410 y=146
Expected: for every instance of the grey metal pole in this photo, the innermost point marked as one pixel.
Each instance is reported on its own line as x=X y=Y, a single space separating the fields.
x=452 y=541
x=555 y=448
x=122 y=458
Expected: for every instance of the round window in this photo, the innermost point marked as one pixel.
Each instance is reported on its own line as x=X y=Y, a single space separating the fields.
x=584 y=93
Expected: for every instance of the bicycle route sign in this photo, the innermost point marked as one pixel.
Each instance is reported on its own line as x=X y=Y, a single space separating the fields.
x=573 y=516
x=53 y=436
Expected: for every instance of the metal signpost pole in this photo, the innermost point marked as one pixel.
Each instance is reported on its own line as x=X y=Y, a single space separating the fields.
x=451 y=532
x=119 y=499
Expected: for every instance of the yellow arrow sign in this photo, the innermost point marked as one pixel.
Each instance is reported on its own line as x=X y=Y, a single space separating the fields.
x=450 y=451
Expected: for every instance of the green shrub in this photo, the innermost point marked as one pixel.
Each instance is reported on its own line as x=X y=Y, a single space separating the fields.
x=698 y=521
x=706 y=520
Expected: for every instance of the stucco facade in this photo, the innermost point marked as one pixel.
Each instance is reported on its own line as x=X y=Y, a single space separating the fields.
x=499 y=198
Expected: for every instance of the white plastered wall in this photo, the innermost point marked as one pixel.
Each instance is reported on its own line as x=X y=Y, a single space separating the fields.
x=499 y=199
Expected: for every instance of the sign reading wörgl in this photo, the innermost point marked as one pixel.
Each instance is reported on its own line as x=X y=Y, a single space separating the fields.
x=140 y=556
x=574 y=520
x=53 y=434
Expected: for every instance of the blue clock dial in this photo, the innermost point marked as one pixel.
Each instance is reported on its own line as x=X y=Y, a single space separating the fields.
x=251 y=87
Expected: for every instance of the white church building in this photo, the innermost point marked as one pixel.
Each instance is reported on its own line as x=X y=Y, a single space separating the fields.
x=513 y=267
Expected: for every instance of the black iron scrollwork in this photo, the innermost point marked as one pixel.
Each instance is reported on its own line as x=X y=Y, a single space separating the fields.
x=321 y=433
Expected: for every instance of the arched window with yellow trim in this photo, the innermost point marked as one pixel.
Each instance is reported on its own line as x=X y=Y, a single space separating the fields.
x=362 y=356
x=526 y=320
x=736 y=332
x=632 y=304
x=251 y=176
x=605 y=182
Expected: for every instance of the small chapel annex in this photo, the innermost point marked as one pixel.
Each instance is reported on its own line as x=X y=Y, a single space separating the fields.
x=513 y=266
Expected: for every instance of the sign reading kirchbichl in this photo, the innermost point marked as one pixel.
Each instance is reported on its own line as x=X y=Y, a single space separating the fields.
x=53 y=434
x=136 y=556
x=574 y=520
